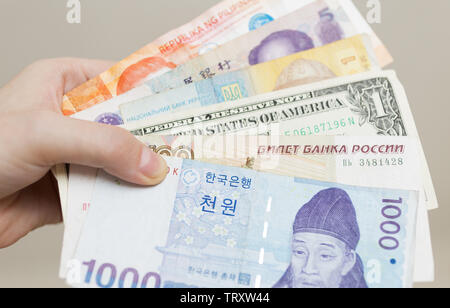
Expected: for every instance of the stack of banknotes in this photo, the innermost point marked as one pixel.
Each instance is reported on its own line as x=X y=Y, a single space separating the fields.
x=294 y=160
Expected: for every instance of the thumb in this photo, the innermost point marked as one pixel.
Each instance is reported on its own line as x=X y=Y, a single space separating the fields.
x=66 y=140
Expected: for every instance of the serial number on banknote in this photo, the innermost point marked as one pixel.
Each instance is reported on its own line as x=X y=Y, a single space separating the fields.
x=322 y=127
x=374 y=162
x=383 y=162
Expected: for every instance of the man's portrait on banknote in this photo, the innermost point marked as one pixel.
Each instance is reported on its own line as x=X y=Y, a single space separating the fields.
x=280 y=44
x=326 y=235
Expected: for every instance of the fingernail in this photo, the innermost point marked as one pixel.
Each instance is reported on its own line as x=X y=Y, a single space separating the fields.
x=152 y=167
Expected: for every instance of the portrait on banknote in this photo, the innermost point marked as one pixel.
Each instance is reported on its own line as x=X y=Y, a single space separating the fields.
x=325 y=236
x=280 y=44
x=301 y=72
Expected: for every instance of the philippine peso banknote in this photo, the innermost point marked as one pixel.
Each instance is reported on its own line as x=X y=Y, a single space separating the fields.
x=341 y=58
x=219 y=226
x=309 y=26
x=314 y=25
x=393 y=162
x=367 y=104
x=222 y=23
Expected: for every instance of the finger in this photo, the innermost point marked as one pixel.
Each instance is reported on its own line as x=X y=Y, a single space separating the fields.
x=59 y=77
x=68 y=73
x=66 y=140
x=76 y=71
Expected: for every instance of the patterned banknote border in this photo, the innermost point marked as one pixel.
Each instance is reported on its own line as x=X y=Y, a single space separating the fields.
x=372 y=99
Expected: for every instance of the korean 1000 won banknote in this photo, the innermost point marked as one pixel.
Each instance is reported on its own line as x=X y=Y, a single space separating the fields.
x=392 y=162
x=245 y=229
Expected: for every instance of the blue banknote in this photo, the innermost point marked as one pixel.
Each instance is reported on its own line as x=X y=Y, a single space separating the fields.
x=204 y=93
x=217 y=226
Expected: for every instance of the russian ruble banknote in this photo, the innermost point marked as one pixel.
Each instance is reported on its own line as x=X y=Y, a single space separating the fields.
x=222 y=23
x=212 y=225
x=393 y=162
x=367 y=104
x=341 y=58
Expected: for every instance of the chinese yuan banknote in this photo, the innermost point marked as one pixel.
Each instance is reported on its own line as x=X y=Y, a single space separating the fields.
x=313 y=25
x=318 y=24
x=222 y=23
x=210 y=225
x=345 y=57
x=367 y=104
x=342 y=159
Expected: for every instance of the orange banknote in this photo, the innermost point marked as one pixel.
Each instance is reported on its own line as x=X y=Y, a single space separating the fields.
x=222 y=23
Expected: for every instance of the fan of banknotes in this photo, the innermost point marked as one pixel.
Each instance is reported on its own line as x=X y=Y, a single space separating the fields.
x=294 y=160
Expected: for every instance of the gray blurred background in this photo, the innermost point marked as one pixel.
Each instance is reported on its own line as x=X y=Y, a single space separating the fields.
x=415 y=31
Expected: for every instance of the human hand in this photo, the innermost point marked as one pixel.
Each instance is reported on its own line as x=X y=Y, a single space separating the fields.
x=36 y=136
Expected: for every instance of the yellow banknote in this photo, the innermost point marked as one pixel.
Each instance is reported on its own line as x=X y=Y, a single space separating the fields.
x=345 y=57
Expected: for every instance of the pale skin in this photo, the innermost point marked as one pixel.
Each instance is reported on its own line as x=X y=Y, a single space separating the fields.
x=35 y=136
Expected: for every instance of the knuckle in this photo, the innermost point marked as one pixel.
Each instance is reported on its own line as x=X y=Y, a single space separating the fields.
x=42 y=63
x=49 y=64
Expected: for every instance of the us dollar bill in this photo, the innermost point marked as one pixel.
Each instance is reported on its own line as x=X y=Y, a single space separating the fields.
x=367 y=104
